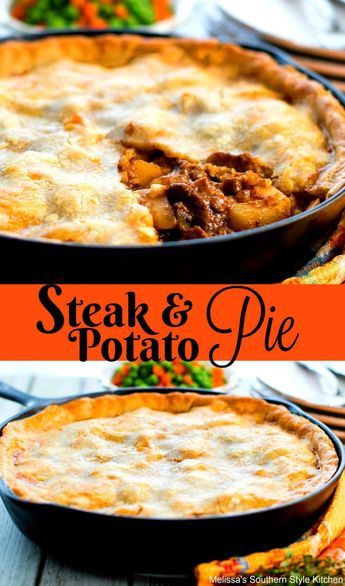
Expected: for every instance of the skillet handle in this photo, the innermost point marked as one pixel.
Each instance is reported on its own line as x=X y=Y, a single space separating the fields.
x=8 y=392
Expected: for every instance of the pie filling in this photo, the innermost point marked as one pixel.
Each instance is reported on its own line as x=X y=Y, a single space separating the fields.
x=177 y=455
x=121 y=141
x=228 y=193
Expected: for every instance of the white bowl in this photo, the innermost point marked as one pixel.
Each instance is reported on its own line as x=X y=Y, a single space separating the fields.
x=107 y=373
x=183 y=10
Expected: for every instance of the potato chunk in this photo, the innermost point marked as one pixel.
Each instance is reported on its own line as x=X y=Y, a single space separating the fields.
x=163 y=216
x=146 y=172
x=264 y=205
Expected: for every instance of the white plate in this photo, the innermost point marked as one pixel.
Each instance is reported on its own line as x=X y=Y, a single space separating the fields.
x=293 y=381
x=291 y=21
x=107 y=373
x=183 y=10
x=337 y=366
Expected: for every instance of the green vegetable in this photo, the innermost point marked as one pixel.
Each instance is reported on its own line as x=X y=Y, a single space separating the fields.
x=115 y=22
x=152 y=380
x=58 y=3
x=141 y=384
x=167 y=366
x=107 y=12
x=61 y=13
x=131 y=21
x=71 y=13
x=56 y=22
x=42 y=5
x=142 y=9
x=164 y=373
x=308 y=567
x=34 y=15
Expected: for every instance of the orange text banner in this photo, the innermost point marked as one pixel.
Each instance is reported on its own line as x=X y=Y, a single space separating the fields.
x=216 y=322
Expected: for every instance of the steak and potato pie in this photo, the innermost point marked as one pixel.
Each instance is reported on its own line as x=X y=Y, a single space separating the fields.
x=165 y=455
x=121 y=140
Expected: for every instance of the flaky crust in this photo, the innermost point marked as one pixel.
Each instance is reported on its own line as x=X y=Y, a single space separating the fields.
x=19 y=57
x=19 y=433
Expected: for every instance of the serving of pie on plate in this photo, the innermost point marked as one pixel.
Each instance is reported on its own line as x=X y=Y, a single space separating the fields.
x=125 y=140
x=165 y=455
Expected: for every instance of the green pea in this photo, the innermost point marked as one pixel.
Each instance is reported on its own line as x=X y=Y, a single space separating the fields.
x=152 y=380
x=131 y=21
x=107 y=11
x=58 y=3
x=115 y=22
x=167 y=365
x=54 y=21
x=142 y=10
x=187 y=365
x=34 y=15
x=71 y=12
x=144 y=371
x=42 y=4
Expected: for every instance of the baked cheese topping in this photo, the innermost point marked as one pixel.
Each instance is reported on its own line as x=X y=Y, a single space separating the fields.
x=206 y=460
x=64 y=126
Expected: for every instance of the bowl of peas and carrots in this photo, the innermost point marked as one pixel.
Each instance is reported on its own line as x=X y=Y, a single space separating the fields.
x=36 y=15
x=165 y=374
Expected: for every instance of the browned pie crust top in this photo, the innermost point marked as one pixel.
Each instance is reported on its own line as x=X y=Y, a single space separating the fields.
x=122 y=140
x=165 y=455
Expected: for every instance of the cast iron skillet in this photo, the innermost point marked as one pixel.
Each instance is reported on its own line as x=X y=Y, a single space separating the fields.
x=161 y=546
x=261 y=255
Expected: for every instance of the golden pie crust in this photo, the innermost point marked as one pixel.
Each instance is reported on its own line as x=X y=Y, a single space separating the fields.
x=165 y=455
x=83 y=122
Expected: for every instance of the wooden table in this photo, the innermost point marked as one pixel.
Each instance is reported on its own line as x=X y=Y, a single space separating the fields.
x=21 y=562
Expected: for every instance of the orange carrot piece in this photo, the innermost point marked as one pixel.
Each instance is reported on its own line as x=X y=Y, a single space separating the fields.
x=179 y=368
x=188 y=379
x=90 y=11
x=18 y=11
x=161 y=9
x=121 y=11
x=166 y=380
x=217 y=377
x=117 y=380
x=78 y=3
x=121 y=374
x=158 y=371
x=98 y=23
